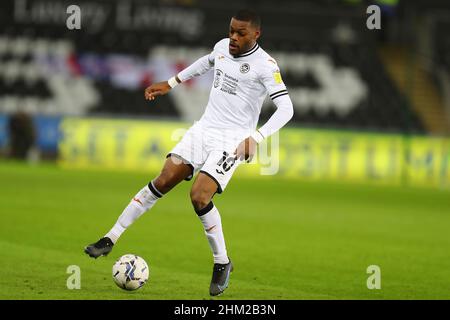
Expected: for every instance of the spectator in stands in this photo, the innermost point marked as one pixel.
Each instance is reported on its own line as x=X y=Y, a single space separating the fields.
x=22 y=135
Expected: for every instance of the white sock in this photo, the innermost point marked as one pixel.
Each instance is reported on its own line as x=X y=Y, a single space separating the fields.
x=142 y=201
x=213 y=229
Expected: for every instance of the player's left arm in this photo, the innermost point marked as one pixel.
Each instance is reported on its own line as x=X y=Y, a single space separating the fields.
x=272 y=81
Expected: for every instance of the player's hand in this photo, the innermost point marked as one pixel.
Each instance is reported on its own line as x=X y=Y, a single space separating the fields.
x=157 y=89
x=246 y=149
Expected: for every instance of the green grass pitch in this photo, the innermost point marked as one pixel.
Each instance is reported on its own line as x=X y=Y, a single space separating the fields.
x=288 y=239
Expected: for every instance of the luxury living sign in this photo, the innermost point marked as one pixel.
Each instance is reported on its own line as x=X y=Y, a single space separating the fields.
x=123 y=15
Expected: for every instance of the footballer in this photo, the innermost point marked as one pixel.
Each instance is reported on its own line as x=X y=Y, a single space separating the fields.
x=223 y=138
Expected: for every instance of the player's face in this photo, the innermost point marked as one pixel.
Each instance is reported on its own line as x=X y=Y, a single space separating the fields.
x=242 y=36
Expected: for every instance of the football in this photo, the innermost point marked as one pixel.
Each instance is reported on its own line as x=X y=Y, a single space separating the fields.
x=130 y=272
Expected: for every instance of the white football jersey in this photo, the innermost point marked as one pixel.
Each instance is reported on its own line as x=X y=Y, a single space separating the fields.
x=239 y=87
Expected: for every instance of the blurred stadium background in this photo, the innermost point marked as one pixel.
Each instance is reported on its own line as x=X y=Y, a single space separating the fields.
x=341 y=75
x=371 y=106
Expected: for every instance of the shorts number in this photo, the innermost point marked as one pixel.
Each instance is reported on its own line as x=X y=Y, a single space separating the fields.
x=225 y=163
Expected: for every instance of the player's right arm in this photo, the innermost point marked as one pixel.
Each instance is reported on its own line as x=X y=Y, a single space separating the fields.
x=160 y=88
x=199 y=67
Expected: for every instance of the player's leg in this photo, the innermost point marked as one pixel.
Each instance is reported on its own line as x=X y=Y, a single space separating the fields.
x=214 y=177
x=174 y=171
x=202 y=193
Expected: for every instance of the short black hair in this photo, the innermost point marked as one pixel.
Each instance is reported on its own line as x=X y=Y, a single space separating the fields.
x=248 y=15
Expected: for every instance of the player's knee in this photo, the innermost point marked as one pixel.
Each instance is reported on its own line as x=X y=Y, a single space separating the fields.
x=164 y=182
x=199 y=198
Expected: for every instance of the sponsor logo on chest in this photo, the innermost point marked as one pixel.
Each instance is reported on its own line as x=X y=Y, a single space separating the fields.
x=227 y=77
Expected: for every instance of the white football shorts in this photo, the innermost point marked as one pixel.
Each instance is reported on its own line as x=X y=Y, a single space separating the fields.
x=210 y=151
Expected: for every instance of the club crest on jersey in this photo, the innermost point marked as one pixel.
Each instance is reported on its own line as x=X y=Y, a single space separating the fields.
x=245 y=67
